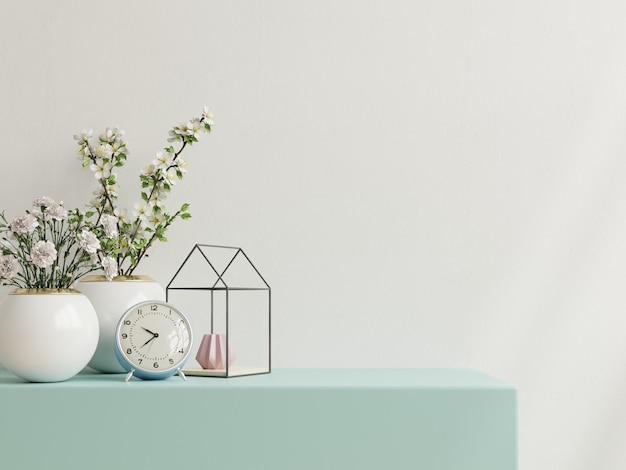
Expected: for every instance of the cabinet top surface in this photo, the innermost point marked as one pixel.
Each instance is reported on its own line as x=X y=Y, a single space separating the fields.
x=286 y=379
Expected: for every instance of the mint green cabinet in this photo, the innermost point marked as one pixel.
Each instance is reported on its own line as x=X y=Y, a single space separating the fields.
x=298 y=419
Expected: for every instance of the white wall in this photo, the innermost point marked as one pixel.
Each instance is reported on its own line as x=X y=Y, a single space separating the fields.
x=424 y=184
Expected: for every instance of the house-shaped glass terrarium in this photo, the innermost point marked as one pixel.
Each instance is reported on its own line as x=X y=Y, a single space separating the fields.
x=228 y=304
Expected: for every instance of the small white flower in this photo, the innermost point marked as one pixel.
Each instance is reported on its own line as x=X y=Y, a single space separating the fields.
x=24 y=224
x=111 y=189
x=182 y=164
x=104 y=151
x=155 y=219
x=84 y=136
x=94 y=202
x=109 y=264
x=101 y=169
x=158 y=197
x=106 y=135
x=170 y=176
x=139 y=231
x=88 y=241
x=174 y=135
x=195 y=128
x=149 y=170
x=179 y=131
x=43 y=254
x=122 y=216
x=208 y=116
x=83 y=151
x=183 y=128
x=109 y=224
x=111 y=134
x=119 y=146
x=99 y=191
x=142 y=210
x=163 y=159
x=9 y=266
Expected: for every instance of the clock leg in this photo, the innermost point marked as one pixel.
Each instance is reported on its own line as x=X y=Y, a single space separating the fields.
x=129 y=375
x=181 y=375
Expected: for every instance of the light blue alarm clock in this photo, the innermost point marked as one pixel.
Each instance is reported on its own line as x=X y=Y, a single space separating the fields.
x=153 y=340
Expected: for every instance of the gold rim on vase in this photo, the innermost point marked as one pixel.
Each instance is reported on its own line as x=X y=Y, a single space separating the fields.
x=102 y=277
x=39 y=291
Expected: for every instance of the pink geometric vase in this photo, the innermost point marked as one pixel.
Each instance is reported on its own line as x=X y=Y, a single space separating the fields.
x=212 y=352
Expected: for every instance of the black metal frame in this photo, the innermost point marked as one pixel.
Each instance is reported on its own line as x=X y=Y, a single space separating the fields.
x=227 y=289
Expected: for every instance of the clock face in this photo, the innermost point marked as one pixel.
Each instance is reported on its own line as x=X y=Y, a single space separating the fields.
x=153 y=337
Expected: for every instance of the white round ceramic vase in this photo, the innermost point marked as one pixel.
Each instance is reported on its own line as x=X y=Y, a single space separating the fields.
x=111 y=299
x=47 y=335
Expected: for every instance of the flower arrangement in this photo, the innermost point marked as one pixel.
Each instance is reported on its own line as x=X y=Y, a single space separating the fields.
x=125 y=238
x=49 y=247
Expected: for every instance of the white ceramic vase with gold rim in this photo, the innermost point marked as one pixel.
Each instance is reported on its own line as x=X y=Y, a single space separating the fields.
x=47 y=335
x=111 y=299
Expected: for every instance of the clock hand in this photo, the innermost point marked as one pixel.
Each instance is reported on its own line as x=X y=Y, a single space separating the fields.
x=148 y=341
x=146 y=329
x=154 y=335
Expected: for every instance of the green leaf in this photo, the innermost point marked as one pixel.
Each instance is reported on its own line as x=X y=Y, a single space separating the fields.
x=185 y=215
x=184 y=207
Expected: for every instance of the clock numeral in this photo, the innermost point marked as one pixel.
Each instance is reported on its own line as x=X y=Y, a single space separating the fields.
x=129 y=351
x=171 y=361
x=182 y=351
x=153 y=307
x=156 y=365
x=139 y=360
x=124 y=336
x=126 y=322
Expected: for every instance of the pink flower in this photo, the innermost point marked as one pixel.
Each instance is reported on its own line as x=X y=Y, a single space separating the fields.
x=109 y=224
x=57 y=212
x=9 y=266
x=43 y=254
x=88 y=242
x=24 y=224
x=109 y=265
x=43 y=201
